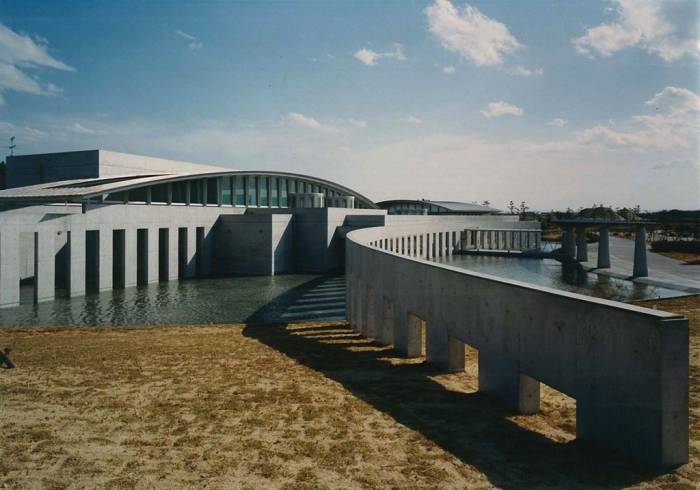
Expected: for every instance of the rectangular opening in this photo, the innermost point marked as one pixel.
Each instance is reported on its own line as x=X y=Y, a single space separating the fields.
x=92 y=260
x=557 y=415
x=142 y=256
x=118 y=258
x=416 y=336
x=62 y=263
x=163 y=254
x=26 y=267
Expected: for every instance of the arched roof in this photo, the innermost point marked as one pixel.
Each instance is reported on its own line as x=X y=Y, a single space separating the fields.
x=448 y=206
x=80 y=190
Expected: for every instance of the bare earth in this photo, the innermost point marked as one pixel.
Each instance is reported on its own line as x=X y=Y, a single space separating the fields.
x=298 y=406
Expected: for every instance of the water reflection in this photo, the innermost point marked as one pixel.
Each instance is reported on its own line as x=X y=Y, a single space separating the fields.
x=200 y=301
x=551 y=273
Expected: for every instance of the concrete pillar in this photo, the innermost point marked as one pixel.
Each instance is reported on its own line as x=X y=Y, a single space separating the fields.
x=105 y=259
x=173 y=272
x=152 y=255
x=581 y=244
x=428 y=246
x=603 y=248
x=444 y=351
x=499 y=377
x=415 y=330
x=640 y=252
x=9 y=267
x=568 y=244
x=76 y=262
x=44 y=265
x=130 y=257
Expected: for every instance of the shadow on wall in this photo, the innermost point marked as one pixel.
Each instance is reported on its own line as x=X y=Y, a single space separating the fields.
x=471 y=426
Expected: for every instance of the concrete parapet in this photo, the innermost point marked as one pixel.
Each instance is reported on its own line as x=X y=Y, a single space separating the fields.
x=626 y=366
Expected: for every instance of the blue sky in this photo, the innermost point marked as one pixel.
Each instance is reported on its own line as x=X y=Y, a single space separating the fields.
x=556 y=103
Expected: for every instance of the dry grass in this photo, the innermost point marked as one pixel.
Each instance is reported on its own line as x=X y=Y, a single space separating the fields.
x=299 y=406
x=686 y=257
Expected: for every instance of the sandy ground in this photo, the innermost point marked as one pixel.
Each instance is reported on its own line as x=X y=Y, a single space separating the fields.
x=299 y=406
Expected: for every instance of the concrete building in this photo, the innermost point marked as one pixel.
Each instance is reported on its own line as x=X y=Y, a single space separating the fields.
x=428 y=207
x=98 y=220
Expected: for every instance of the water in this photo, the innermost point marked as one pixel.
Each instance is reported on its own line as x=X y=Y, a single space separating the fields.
x=201 y=301
x=550 y=273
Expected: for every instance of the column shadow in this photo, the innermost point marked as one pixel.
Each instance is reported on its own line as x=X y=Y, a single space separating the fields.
x=471 y=426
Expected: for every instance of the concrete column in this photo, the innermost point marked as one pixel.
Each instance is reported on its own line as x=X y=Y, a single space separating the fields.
x=568 y=242
x=581 y=245
x=444 y=351
x=499 y=377
x=413 y=341
x=173 y=272
x=191 y=253
x=76 y=262
x=640 y=252
x=428 y=246
x=130 y=251
x=44 y=265
x=105 y=259
x=603 y=248
x=9 y=267
x=152 y=255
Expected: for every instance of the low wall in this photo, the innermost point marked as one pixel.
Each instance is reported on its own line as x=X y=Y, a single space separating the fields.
x=626 y=366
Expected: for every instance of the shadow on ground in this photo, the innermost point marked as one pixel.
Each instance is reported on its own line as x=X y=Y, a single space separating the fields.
x=471 y=426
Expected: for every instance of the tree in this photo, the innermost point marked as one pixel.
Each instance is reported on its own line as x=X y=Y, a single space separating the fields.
x=511 y=207
x=486 y=203
x=523 y=208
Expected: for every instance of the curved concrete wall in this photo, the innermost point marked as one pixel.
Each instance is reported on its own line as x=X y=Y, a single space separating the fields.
x=627 y=367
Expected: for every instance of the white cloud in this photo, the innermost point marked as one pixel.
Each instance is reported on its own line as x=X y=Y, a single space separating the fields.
x=449 y=70
x=193 y=42
x=521 y=71
x=370 y=58
x=411 y=120
x=298 y=119
x=558 y=122
x=469 y=33
x=663 y=28
x=80 y=129
x=672 y=127
x=358 y=123
x=675 y=100
x=19 y=53
x=501 y=108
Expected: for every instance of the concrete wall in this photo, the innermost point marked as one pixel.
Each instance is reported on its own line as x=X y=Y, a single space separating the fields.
x=627 y=367
x=256 y=244
x=26 y=170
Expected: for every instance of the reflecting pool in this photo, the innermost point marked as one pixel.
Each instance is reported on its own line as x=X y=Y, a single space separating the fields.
x=275 y=299
x=550 y=273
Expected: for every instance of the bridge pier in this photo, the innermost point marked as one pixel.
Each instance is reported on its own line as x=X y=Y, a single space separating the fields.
x=603 y=248
x=640 y=253
x=581 y=245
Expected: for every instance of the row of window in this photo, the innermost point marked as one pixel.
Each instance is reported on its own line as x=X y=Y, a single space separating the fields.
x=415 y=208
x=236 y=190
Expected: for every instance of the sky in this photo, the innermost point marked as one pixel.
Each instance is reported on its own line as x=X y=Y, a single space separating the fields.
x=556 y=103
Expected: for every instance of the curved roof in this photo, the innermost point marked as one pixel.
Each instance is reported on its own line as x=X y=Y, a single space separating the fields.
x=449 y=206
x=80 y=190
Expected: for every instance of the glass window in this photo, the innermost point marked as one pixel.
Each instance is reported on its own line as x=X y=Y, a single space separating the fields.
x=180 y=192
x=252 y=194
x=139 y=194
x=159 y=193
x=225 y=190
x=116 y=196
x=274 y=192
x=195 y=191
x=263 y=201
x=292 y=186
x=212 y=191
x=317 y=188
x=284 y=200
x=239 y=197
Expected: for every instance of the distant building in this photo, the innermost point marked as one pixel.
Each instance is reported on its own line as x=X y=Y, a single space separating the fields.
x=424 y=206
